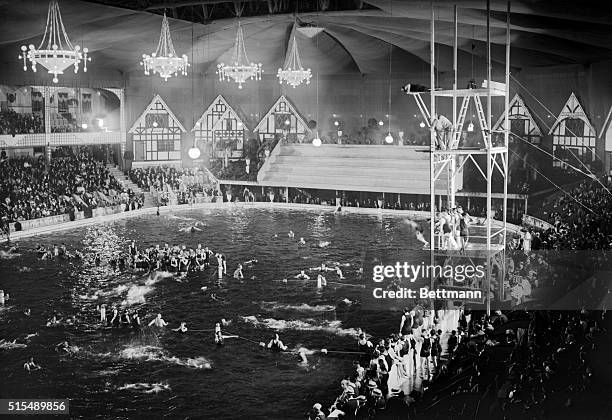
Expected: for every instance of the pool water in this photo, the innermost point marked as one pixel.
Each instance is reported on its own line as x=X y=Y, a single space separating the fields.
x=116 y=373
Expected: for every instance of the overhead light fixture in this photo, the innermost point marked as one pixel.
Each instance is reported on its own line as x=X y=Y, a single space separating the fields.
x=422 y=124
x=389 y=138
x=100 y=122
x=55 y=52
x=316 y=142
x=310 y=30
x=164 y=60
x=336 y=123
x=241 y=69
x=293 y=73
x=470 y=127
x=381 y=122
x=84 y=126
x=155 y=124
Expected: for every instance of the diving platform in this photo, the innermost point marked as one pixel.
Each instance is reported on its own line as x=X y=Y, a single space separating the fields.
x=344 y=167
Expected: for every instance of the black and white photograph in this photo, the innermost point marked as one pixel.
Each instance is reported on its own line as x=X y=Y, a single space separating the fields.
x=306 y=209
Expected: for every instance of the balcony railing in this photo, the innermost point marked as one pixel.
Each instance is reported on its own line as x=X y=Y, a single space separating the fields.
x=61 y=139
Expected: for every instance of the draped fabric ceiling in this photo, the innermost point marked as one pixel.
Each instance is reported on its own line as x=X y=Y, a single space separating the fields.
x=354 y=41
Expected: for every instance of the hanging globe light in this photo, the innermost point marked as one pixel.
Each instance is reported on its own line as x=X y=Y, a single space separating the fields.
x=389 y=138
x=194 y=153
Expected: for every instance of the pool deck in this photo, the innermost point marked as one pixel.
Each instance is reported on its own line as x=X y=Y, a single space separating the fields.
x=413 y=214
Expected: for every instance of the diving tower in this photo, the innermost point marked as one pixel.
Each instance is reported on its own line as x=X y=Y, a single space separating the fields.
x=448 y=155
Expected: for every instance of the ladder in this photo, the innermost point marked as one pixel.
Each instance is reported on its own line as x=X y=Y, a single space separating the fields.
x=484 y=129
x=460 y=122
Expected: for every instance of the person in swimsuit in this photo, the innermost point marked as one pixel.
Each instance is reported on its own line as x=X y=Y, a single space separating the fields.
x=30 y=365
x=406 y=323
x=276 y=344
x=425 y=352
x=218 y=334
x=464 y=231
x=181 y=328
x=302 y=276
x=158 y=321
x=238 y=273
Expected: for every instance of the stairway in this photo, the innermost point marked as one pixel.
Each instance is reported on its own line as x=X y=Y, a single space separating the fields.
x=390 y=169
x=149 y=200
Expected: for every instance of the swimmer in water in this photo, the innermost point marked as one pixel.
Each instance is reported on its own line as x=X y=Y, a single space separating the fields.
x=158 y=321
x=238 y=273
x=181 y=328
x=418 y=231
x=302 y=241
x=321 y=282
x=53 y=321
x=291 y=234
x=302 y=354
x=276 y=344
x=27 y=312
x=339 y=272
x=102 y=310
x=302 y=276
x=218 y=334
x=115 y=319
x=136 y=320
x=62 y=347
x=191 y=228
x=249 y=262
x=30 y=365
x=322 y=268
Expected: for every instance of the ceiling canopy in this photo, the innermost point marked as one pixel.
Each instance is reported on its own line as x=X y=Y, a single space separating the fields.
x=359 y=36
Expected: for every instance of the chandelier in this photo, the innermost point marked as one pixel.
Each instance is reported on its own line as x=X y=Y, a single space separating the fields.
x=240 y=70
x=55 y=52
x=292 y=72
x=164 y=60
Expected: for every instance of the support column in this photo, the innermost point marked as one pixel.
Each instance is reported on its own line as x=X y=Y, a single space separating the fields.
x=488 y=145
x=47 y=96
x=452 y=166
x=122 y=124
x=287 y=195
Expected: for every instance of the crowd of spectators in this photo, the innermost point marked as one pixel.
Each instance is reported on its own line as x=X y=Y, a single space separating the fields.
x=235 y=170
x=12 y=123
x=71 y=182
x=515 y=365
x=581 y=218
x=167 y=181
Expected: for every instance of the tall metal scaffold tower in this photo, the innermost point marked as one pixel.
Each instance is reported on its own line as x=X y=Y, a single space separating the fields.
x=448 y=156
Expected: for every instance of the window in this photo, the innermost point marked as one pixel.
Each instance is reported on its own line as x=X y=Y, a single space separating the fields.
x=574 y=127
x=156 y=120
x=62 y=102
x=165 y=145
x=517 y=126
x=86 y=103
x=37 y=102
